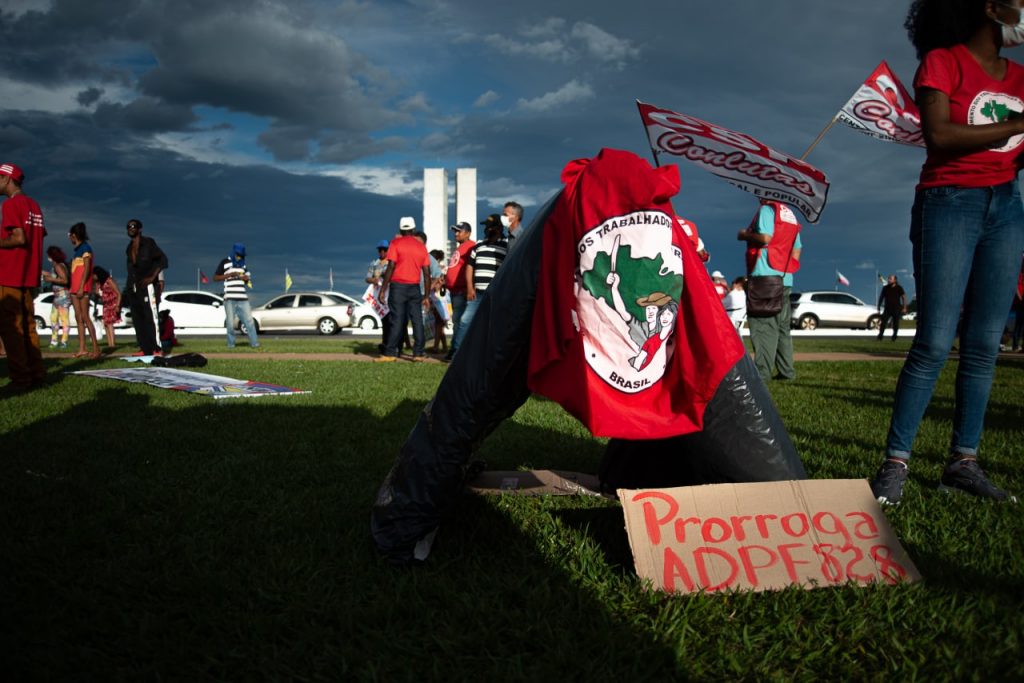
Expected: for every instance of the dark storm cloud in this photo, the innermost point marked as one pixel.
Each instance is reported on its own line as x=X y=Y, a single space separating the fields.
x=147 y=115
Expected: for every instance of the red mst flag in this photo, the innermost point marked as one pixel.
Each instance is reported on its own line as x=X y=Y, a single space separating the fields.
x=628 y=334
x=202 y=278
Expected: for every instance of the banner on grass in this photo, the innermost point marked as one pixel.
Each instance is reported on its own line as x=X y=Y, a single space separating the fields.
x=372 y=297
x=193 y=382
x=737 y=158
x=883 y=109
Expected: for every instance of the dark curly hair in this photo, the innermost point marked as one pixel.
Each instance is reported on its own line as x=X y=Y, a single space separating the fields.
x=56 y=254
x=933 y=24
x=101 y=275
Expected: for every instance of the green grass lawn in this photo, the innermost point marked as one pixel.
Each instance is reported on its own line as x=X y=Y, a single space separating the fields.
x=153 y=535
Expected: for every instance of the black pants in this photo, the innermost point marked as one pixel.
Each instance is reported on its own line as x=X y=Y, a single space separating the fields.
x=142 y=318
x=886 y=317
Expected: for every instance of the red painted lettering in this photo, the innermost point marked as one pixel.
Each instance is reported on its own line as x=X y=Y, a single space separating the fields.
x=737 y=526
x=702 y=568
x=675 y=568
x=831 y=568
x=866 y=527
x=891 y=571
x=680 y=525
x=787 y=524
x=828 y=523
x=707 y=530
x=749 y=567
x=788 y=560
x=858 y=555
x=651 y=520
x=761 y=522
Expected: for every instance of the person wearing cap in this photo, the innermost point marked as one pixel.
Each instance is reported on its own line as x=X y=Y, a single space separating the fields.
x=144 y=261
x=405 y=286
x=375 y=277
x=721 y=286
x=234 y=273
x=21 y=258
x=482 y=265
x=455 y=278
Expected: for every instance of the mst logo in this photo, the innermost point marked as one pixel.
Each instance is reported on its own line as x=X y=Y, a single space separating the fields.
x=993 y=107
x=628 y=283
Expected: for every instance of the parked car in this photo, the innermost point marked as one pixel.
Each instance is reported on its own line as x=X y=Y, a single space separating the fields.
x=811 y=310
x=194 y=308
x=44 y=304
x=363 y=315
x=303 y=311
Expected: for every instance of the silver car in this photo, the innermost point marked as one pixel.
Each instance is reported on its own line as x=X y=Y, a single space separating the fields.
x=811 y=310
x=363 y=315
x=303 y=311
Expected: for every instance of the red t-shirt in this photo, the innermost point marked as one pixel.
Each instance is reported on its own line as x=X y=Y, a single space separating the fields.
x=975 y=98
x=410 y=257
x=22 y=266
x=455 y=278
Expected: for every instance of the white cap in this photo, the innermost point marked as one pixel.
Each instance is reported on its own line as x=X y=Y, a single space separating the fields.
x=407 y=223
x=717 y=274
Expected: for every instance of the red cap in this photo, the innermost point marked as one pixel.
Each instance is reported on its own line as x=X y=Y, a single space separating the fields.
x=12 y=171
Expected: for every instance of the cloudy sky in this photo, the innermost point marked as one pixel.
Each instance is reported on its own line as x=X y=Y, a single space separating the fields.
x=302 y=127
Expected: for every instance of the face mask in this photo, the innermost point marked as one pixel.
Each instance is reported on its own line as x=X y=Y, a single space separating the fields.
x=506 y=221
x=1013 y=34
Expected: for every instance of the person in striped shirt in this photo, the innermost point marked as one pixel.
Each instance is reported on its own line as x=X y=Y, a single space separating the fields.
x=482 y=265
x=233 y=272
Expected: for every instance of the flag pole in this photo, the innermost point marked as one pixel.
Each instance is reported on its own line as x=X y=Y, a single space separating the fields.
x=654 y=153
x=197 y=278
x=820 y=136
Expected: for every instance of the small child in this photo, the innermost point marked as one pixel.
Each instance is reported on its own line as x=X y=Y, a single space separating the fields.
x=167 y=338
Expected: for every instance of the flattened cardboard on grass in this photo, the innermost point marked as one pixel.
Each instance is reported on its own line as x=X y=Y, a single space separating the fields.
x=764 y=536
x=536 y=483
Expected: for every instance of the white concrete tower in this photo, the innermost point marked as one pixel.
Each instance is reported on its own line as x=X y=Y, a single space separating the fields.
x=435 y=207
x=465 y=198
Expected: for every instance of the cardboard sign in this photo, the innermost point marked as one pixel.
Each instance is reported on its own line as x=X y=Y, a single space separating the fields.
x=536 y=483
x=764 y=536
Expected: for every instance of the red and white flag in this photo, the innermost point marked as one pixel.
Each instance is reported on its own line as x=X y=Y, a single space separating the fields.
x=203 y=279
x=883 y=109
x=841 y=279
x=738 y=158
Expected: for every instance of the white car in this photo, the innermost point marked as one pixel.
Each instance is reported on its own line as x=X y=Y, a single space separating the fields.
x=303 y=311
x=194 y=308
x=363 y=315
x=811 y=310
x=43 y=305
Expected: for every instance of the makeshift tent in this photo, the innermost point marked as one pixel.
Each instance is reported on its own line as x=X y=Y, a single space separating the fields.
x=737 y=438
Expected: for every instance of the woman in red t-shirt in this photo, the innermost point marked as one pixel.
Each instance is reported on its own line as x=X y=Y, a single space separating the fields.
x=967 y=225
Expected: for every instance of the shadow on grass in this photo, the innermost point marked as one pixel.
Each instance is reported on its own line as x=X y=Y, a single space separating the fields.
x=230 y=540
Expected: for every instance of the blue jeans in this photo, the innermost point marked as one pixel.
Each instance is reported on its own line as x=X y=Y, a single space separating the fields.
x=966 y=247
x=458 y=310
x=464 y=322
x=405 y=303
x=239 y=309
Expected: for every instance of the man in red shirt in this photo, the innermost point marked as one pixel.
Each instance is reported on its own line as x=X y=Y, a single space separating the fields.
x=455 y=278
x=408 y=266
x=21 y=257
